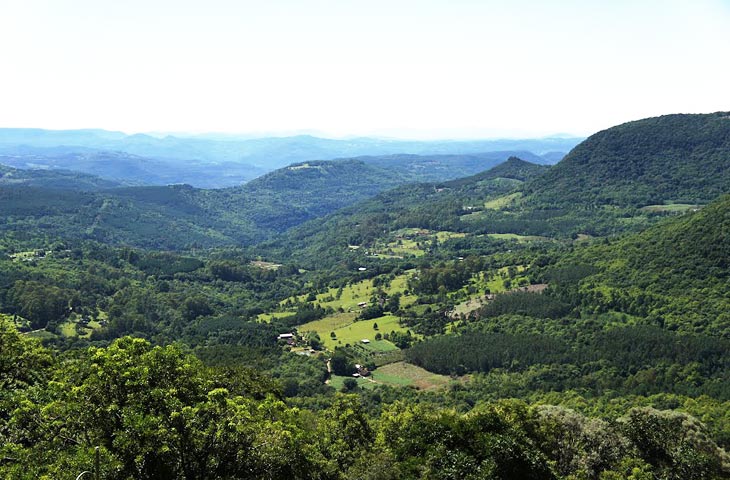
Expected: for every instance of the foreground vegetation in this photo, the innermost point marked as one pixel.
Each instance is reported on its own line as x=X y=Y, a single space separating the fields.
x=158 y=412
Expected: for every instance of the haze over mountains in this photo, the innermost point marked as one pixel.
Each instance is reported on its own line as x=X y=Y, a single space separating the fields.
x=211 y=163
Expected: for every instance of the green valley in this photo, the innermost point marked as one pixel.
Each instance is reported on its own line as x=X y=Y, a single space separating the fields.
x=342 y=320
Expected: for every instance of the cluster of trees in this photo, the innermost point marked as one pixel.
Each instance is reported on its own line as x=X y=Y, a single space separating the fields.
x=559 y=356
x=157 y=412
x=674 y=275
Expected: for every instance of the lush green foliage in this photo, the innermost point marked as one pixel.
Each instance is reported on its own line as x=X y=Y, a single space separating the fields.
x=679 y=158
x=616 y=347
x=157 y=412
x=673 y=275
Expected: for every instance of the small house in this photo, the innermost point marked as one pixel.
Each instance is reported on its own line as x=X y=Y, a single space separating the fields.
x=290 y=339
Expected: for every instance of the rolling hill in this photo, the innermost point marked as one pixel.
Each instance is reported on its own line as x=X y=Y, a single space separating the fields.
x=59 y=179
x=674 y=275
x=180 y=216
x=131 y=169
x=437 y=206
x=673 y=158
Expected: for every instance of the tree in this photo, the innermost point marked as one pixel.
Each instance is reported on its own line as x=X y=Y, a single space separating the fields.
x=349 y=384
x=38 y=302
x=156 y=413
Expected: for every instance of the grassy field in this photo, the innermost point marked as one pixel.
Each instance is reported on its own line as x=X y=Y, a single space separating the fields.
x=265 y=265
x=353 y=332
x=472 y=295
x=514 y=236
x=348 y=299
x=329 y=324
x=405 y=242
x=501 y=202
x=267 y=317
x=405 y=374
x=399 y=374
x=670 y=208
x=68 y=328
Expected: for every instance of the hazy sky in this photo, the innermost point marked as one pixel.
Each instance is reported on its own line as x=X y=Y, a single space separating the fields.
x=390 y=67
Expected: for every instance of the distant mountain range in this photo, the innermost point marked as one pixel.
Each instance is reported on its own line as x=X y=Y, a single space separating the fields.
x=213 y=163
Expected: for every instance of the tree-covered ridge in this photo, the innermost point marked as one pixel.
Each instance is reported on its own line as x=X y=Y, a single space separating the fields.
x=435 y=168
x=673 y=158
x=180 y=217
x=58 y=179
x=435 y=206
x=675 y=274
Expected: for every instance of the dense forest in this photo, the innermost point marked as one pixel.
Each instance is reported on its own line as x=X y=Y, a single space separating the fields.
x=479 y=328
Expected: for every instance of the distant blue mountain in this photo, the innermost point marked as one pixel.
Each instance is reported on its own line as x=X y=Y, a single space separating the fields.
x=208 y=163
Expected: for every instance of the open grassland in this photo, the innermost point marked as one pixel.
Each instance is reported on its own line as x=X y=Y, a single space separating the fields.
x=354 y=332
x=347 y=299
x=405 y=374
x=670 y=208
x=514 y=236
x=413 y=242
x=69 y=328
x=399 y=374
x=328 y=324
x=502 y=202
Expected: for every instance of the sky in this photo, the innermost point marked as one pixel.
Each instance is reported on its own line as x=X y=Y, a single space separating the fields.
x=399 y=68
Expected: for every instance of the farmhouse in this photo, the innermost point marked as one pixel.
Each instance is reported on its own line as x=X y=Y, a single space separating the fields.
x=362 y=370
x=365 y=340
x=289 y=337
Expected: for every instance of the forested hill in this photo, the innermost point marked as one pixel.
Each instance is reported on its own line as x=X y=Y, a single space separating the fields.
x=435 y=168
x=292 y=195
x=675 y=275
x=438 y=206
x=673 y=158
x=179 y=216
x=59 y=179
x=295 y=194
x=515 y=168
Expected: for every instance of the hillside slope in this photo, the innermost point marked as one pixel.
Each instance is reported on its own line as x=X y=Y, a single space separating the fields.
x=675 y=274
x=437 y=206
x=180 y=216
x=673 y=158
x=60 y=179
